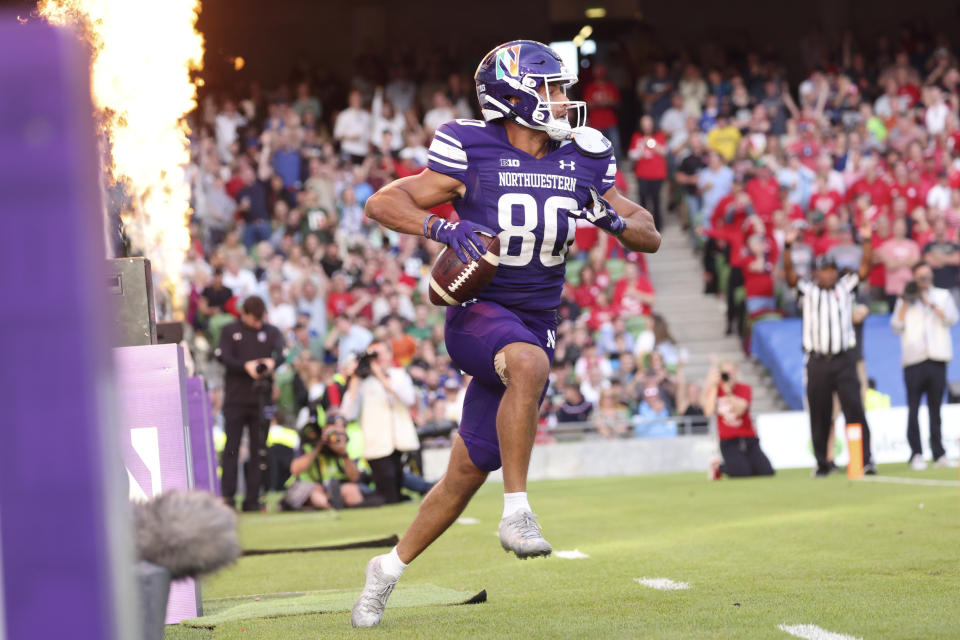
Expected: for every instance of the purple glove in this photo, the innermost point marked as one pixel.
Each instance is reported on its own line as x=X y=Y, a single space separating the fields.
x=461 y=236
x=601 y=214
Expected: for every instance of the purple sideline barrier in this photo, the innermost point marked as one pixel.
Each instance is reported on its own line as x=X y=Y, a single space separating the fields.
x=64 y=547
x=152 y=386
x=203 y=456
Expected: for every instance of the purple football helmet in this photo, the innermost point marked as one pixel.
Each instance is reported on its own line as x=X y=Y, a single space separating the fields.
x=518 y=69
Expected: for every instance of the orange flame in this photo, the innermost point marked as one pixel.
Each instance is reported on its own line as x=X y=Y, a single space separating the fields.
x=142 y=56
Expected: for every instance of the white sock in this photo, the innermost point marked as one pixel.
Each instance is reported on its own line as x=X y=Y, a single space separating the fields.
x=392 y=565
x=513 y=502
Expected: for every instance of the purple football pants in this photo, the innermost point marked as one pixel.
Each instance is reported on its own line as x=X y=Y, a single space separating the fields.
x=474 y=334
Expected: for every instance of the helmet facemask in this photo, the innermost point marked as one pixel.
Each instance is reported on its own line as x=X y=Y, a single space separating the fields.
x=543 y=118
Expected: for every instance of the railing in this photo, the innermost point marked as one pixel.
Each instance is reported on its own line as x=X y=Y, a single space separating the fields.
x=590 y=429
x=635 y=428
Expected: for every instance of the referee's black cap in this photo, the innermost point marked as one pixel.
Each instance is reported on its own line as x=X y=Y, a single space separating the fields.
x=825 y=262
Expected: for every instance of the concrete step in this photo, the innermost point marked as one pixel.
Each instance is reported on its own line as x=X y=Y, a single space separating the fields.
x=698 y=321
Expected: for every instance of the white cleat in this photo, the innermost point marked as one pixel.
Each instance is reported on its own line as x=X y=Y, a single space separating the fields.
x=917 y=463
x=944 y=463
x=369 y=607
x=520 y=533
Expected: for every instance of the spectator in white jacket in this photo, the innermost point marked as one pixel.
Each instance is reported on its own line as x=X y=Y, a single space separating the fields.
x=381 y=400
x=923 y=317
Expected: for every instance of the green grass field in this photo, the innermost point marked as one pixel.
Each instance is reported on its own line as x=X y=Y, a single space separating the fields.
x=870 y=560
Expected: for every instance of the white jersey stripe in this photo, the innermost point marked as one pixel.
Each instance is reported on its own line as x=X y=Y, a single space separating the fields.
x=612 y=169
x=455 y=165
x=827 y=324
x=823 y=306
x=449 y=139
x=445 y=150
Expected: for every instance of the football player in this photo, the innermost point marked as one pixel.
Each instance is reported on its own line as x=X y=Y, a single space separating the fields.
x=526 y=172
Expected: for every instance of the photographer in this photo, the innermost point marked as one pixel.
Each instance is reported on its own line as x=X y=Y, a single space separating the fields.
x=326 y=477
x=379 y=396
x=923 y=317
x=739 y=445
x=250 y=350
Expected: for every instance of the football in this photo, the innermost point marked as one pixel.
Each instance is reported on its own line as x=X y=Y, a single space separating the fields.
x=453 y=282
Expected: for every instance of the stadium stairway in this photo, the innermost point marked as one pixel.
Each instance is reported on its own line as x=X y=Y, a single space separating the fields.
x=697 y=321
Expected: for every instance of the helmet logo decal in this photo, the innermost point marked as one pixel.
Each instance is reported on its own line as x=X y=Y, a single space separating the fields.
x=508 y=61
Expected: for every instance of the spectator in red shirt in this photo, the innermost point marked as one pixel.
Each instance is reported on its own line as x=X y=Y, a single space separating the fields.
x=873 y=184
x=757 y=267
x=340 y=298
x=739 y=445
x=648 y=150
x=634 y=292
x=823 y=198
x=903 y=187
x=602 y=311
x=585 y=293
x=603 y=100
x=764 y=192
x=597 y=260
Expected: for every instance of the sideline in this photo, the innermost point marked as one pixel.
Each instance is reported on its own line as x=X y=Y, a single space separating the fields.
x=914 y=481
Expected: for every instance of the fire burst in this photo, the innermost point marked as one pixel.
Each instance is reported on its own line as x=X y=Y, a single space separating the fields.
x=142 y=55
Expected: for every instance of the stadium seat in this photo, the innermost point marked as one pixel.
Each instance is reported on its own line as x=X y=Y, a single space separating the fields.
x=216 y=325
x=615 y=268
x=880 y=307
x=636 y=324
x=573 y=271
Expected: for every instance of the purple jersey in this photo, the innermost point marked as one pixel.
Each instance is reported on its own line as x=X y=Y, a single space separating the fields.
x=524 y=199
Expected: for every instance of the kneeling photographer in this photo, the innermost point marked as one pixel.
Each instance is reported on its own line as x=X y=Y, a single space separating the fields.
x=379 y=396
x=326 y=477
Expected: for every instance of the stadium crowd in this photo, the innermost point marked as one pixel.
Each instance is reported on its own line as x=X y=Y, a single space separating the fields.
x=871 y=134
x=280 y=178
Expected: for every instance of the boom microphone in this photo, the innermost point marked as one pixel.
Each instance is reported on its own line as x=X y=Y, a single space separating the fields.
x=188 y=533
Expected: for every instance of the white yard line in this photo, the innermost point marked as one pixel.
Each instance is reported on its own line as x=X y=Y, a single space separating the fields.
x=813 y=632
x=664 y=584
x=915 y=481
x=576 y=554
x=468 y=521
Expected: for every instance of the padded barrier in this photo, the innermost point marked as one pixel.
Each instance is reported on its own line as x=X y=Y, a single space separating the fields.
x=776 y=344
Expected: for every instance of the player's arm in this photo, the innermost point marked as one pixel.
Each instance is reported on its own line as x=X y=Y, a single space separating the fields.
x=789 y=273
x=403 y=205
x=866 y=263
x=640 y=233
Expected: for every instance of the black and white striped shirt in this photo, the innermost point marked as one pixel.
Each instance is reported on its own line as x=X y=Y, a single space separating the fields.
x=828 y=315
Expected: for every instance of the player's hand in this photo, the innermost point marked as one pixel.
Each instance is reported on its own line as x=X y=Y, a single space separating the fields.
x=269 y=363
x=461 y=236
x=601 y=214
x=250 y=366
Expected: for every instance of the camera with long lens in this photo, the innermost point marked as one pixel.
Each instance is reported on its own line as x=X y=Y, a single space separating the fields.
x=364 y=361
x=911 y=292
x=316 y=436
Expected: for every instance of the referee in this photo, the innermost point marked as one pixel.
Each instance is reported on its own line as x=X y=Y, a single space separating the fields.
x=829 y=340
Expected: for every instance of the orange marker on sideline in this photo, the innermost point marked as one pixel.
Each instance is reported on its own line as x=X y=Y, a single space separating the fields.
x=855 y=448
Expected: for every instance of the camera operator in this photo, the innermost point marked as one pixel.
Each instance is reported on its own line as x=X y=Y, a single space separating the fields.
x=923 y=317
x=730 y=400
x=326 y=476
x=379 y=396
x=250 y=350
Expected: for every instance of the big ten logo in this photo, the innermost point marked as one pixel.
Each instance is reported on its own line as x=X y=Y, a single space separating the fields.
x=509 y=162
x=142 y=461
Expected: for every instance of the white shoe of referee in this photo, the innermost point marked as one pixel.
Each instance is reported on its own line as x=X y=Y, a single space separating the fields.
x=917 y=463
